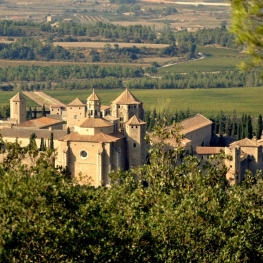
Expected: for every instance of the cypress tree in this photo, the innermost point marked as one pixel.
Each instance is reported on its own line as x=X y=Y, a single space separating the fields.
x=259 y=127
x=239 y=131
x=43 y=111
x=29 y=114
x=35 y=113
x=249 y=127
x=42 y=144
x=52 y=141
x=68 y=130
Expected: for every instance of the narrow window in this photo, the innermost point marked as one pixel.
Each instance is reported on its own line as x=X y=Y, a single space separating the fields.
x=134 y=145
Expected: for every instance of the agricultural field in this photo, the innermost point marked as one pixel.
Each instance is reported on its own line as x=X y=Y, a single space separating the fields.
x=5 y=96
x=216 y=59
x=15 y=63
x=205 y=101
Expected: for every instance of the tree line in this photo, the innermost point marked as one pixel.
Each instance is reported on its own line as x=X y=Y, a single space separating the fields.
x=223 y=79
x=130 y=77
x=241 y=127
x=9 y=28
x=31 y=49
x=61 y=72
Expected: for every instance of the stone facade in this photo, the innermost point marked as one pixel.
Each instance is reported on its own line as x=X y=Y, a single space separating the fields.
x=99 y=143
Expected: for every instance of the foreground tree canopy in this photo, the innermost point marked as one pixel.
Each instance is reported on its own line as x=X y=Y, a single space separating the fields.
x=247 y=24
x=167 y=211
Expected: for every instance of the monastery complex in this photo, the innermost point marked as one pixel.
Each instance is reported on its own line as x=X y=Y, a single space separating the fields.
x=104 y=139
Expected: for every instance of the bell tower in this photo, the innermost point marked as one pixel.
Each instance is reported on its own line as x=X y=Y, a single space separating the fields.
x=93 y=106
x=135 y=130
x=18 y=108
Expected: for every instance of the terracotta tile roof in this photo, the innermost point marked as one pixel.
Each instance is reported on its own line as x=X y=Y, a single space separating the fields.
x=76 y=102
x=126 y=98
x=26 y=133
x=209 y=150
x=94 y=123
x=135 y=121
x=110 y=118
x=93 y=97
x=194 y=123
x=38 y=123
x=18 y=97
x=100 y=137
x=245 y=142
x=104 y=107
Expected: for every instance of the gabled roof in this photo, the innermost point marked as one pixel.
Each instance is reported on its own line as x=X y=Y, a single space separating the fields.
x=38 y=123
x=26 y=133
x=18 y=97
x=100 y=137
x=93 y=97
x=194 y=123
x=245 y=142
x=126 y=98
x=76 y=102
x=135 y=121
x=94 y=123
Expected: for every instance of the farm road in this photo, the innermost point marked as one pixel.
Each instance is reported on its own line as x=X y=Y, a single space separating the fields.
x=42 y=98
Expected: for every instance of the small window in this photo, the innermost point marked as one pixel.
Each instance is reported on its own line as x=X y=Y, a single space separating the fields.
x=132 y=127
x=119 y=106
x=91 y=112
x=83 y=154
x=134 y=145
x=136 y=127
x=75 y=117
x=134 y=107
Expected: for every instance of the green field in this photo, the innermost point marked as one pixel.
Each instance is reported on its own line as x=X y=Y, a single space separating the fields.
x=6 y=96
x=216 y=59
x=206 y=101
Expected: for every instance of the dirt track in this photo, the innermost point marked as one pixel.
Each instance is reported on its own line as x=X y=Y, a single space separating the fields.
x=43 y=99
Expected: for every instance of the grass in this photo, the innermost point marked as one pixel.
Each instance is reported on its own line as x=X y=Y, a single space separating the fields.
x=205 y=101
x=216 y=59
x=15 y=63
x=5 y=96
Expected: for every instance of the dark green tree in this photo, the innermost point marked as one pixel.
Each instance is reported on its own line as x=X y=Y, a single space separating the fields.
x=51 y=141
x=43 y=111
x=259 y=127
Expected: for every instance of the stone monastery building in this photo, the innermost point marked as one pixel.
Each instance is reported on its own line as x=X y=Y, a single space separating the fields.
x=102 y=139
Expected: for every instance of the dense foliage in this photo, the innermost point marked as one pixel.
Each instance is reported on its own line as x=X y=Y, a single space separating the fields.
x=223 y=79
x=247 y=25
x=31 y=49
x=8 y=28
x=168 y=211
x=208 y=36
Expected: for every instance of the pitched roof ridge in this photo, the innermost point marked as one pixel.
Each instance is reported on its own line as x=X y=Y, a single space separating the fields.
x=93 y=96
x=76 y=101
